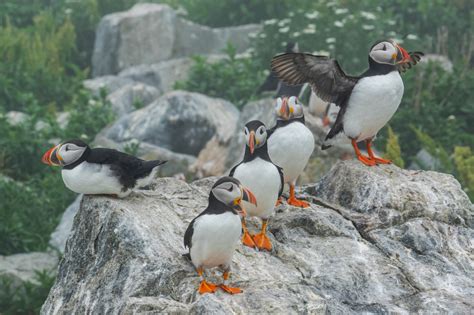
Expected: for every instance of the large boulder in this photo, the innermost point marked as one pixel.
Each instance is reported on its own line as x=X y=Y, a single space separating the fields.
x=131 y=97
x=61 y=233
x=150 y=33
x=124 y=255
x=179 y=121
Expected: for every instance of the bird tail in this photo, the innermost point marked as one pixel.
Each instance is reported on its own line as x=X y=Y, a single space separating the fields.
x=187 y=256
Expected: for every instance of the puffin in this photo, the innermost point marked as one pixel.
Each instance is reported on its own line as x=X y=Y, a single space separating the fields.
x=212 y=237
x=367 y=102
x=265 y=179
x=100 y=171
x=290 y=143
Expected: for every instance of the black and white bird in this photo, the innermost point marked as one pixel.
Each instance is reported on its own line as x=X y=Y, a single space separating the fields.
x=367 y=101
x=290 y=143
x=262 y=177
x=213 y=235
x=100 y=171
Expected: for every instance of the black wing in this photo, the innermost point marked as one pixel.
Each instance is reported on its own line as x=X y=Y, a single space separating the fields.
x=415 y=58
x=325 y=76
x=232 y=171
x=188 y=235
x=282 y=178
x=127 y=167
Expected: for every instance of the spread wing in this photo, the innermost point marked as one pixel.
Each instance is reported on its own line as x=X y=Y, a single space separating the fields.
x=327 y=79
x=415 y=58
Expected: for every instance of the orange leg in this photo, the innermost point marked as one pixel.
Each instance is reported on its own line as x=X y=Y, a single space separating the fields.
x=247 y=239
x=261 y=239
x=294 y=201
x=372 y=155
x=364 y=159
x=226 y=288
x=205 y=287
x=279 y=201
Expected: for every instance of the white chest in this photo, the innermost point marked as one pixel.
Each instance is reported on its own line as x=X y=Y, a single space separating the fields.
x=290 y=147
x=263 y=179
x=373 y=102
x=90 y=178
x=215 y=238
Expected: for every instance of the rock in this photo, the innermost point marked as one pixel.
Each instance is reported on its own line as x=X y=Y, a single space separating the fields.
x=150 y=33
x=108 y=83
x=424 y=160
x=131 y=97
x=179 y=121
x=211 y=159
x=338 y=256
x=162 y=75
x=61 y=233
x=19 y=268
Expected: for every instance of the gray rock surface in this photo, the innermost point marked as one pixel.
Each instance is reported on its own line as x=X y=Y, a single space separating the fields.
x=19 y=268
x=61 y=233
x=131 y=97
x=150 y=33
x=338 y=256
x=179 y=121
x=108 y=83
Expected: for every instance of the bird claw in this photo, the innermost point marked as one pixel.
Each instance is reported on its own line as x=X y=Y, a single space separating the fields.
x=247 y=240
x=206 y=287
x=366 y=161
x=298 y=203
x=230 y=290
x=262 y=241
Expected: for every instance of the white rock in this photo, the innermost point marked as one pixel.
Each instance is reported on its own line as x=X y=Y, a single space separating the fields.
x=131 y=97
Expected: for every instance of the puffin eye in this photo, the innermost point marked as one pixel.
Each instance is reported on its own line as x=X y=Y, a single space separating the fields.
x=261 y=131
x=384 y=47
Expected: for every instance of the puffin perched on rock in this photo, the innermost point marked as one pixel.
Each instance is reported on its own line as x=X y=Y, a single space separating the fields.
x=367 y=101
x=262 y=177
x=290 y=143
x=100 y=171
x=213 y=235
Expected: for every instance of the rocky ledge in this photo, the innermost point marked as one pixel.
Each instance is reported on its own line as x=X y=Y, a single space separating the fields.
x=375 y=240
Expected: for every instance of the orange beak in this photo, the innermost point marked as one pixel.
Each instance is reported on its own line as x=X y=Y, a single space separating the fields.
x=405 y=57
x=326 y=121
x=249 y=196
x=252 y=141
x=284 y=110
x=51 y=157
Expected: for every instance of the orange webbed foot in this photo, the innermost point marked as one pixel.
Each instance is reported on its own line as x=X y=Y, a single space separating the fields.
x=381 y=161
x=262 y=241
x=247 y=240
x=279 y=202
x=298 y=203
x=366 y=161
x=230 y=290
x=206 y=287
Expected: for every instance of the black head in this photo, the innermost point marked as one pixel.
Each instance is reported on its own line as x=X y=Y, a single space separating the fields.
x=230 y=192
x=66 y=153
x=255 y=135
x=388 y=52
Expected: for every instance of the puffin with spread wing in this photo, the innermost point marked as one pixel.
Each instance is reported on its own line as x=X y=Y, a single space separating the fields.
x=367 y=102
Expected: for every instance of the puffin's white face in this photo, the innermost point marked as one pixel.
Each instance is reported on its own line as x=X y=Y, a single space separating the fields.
x=227 y=193
x=384 y=52
x=231 y=193
x=255 y=138
x=296 y=109
x=64 y=154
x=69 y=153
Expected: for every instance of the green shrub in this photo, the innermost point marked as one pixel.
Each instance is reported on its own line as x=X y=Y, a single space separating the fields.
x=26 y=298
x=35 y=61
x=232 y=78
x=392 y=149
x=464 y=162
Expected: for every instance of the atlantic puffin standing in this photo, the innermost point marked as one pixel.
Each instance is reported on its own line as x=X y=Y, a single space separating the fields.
x=262 y=177
x=290 y=143
x=213 y=235
x=100 y=171
x=367 y=101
